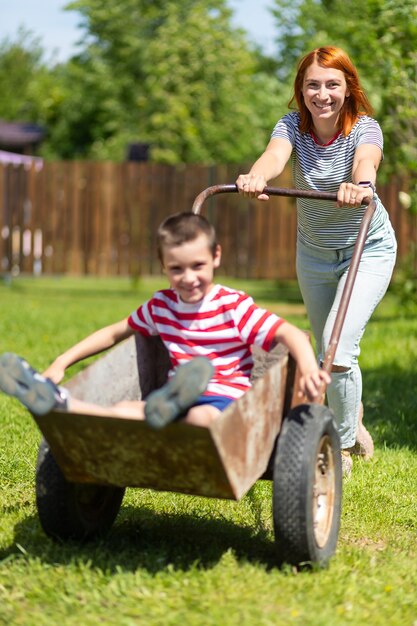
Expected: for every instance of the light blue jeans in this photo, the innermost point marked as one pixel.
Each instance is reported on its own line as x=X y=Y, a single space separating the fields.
x=322 y=275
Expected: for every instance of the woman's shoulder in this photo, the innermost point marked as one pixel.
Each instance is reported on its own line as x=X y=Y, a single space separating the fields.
x=367 y=130
x=365 y=121
x=292 y=118
x=287 y=126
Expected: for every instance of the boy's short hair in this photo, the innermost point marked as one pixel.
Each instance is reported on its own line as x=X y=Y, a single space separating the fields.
x=182 y=227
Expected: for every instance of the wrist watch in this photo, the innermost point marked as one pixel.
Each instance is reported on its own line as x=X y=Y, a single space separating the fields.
x=367 y=183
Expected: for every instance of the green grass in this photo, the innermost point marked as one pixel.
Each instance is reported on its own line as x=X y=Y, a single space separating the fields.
x=172 y=559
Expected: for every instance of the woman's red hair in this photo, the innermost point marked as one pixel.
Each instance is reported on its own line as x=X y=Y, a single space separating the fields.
x=356 y=104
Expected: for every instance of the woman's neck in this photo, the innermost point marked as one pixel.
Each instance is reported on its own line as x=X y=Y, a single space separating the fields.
x=325 y=134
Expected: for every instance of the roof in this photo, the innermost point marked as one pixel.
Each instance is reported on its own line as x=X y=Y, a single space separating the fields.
x=20 y=134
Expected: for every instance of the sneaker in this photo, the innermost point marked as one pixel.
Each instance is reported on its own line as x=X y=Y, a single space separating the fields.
x=37 y=393
x=179 y=394
x=347 y=463
x=364 y=445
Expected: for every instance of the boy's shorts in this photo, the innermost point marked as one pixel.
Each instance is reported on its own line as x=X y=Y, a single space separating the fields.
x=219 y=402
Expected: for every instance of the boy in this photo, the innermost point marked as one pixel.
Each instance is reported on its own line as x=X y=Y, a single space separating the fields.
x=208 y=330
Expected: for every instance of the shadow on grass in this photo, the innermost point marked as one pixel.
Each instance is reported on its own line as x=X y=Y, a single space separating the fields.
x=389 y=396
x=89 y=291
x=265 y=290
x=270 y=290
x=144 y=539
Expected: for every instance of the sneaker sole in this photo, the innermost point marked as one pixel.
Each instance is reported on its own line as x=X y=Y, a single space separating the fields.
x=18 y=379
x=179 y=394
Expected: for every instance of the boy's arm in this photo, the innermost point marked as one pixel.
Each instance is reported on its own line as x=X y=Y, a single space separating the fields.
x=97 y=342
x=312 y=378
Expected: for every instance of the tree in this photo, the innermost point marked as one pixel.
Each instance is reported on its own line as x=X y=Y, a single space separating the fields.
x=179 y=77
x=174 y=74
x=87 y=110
x=22 y=71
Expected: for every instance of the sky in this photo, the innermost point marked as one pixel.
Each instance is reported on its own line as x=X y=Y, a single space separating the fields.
x=58 y=32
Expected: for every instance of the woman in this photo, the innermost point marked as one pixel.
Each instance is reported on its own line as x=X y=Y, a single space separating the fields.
x=334 y=146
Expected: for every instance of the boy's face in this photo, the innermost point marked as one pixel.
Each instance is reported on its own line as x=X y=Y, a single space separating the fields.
x=190 y=268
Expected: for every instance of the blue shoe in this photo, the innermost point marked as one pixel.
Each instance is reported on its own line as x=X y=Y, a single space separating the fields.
x=179 y=394
x=37 y=393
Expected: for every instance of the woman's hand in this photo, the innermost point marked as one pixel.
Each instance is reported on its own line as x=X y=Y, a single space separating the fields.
x=252 y=186
x=353 y=195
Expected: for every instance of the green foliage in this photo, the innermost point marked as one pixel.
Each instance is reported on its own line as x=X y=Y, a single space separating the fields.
x=203 y=99
x=174 y=74
x=24 y=78
x=405 y=283
x=88 y=112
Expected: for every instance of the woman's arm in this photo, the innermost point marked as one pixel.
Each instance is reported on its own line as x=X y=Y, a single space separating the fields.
x=269 y=165
x=93 y=344
x=365 y=166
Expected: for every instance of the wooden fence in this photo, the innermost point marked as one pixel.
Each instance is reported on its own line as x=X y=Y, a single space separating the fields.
x=100 y=219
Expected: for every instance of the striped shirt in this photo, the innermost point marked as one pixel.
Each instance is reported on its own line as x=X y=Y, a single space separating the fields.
x=324 y=168
x=221 y=327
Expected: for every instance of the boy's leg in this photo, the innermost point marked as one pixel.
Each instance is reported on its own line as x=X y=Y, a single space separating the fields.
x=202 y=415
x=128 y=409
x=179 y=394
x=40 y=395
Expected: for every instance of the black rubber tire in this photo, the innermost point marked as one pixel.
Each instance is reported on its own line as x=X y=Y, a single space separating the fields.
x=307 y=487
x=72 y=510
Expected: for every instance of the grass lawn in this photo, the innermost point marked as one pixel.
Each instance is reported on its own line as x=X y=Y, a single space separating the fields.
x=172 y=559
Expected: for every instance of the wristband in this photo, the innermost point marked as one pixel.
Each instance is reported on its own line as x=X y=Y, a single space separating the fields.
x=367 y=183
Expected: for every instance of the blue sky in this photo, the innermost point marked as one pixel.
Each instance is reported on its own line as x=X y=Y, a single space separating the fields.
x=58 y=31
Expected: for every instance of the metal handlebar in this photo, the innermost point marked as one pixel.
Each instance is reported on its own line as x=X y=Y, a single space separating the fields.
x=270 y=191
x=354 y=264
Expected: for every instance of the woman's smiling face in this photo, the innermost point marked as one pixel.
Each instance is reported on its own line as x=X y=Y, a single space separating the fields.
x=324 y=92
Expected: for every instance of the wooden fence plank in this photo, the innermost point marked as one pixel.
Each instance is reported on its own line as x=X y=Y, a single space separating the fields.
x=101 y=219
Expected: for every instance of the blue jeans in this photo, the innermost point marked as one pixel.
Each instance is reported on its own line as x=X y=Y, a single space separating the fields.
x=322 y=275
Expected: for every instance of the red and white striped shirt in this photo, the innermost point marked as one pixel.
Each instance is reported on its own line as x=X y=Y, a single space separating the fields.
x=221 y=327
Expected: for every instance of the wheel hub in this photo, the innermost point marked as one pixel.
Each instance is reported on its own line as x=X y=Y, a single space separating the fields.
x=324 y=492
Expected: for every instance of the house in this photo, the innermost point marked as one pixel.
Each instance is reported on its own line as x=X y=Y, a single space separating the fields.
x=20 y=137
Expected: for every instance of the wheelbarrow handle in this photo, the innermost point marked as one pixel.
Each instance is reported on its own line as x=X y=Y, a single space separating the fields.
x=354 y=264
x=348 y=287
x=270 y=191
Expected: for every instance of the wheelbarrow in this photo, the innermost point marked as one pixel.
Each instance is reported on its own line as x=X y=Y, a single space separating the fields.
x=85 y=462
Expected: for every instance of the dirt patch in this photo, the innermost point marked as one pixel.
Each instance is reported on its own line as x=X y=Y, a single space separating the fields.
x=367 y=542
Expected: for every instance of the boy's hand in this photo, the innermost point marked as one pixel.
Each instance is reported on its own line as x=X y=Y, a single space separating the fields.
x=313 y=384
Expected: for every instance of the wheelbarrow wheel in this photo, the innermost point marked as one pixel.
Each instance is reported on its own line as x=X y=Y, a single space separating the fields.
x=307 y=487
x=70 y=510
